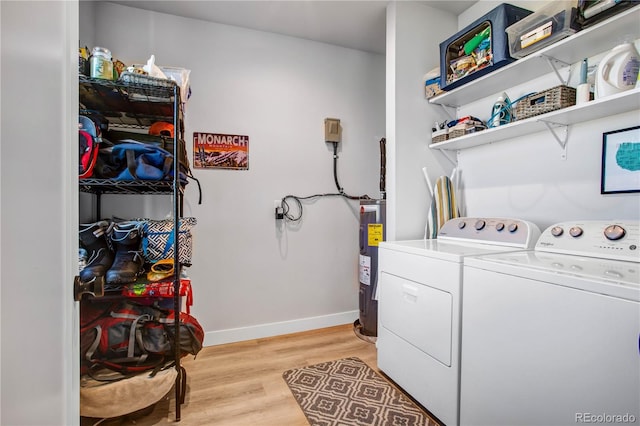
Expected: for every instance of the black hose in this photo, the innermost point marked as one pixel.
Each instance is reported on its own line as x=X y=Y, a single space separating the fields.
x=335 y=167
x=335 y=177
x=293 y=216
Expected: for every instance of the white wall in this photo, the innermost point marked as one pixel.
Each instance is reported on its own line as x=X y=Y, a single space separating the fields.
x=414 y=31
x=250 y=277
x=87 y=23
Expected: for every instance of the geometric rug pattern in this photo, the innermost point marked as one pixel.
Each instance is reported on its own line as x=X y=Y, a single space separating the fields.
x=347 y=392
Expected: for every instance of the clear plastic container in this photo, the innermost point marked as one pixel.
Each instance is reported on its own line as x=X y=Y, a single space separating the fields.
x=551 y=23
x=181 y=77
x=100 y=64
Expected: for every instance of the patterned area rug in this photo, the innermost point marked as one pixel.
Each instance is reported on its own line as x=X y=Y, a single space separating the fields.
x=347 y=392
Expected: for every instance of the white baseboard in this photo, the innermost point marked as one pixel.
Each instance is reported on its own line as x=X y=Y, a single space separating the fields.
x=232 y=335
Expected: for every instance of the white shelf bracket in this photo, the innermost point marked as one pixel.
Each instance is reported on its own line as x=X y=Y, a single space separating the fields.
x=560 y=138
x=447 y=110
x=448 y=157
x=555 y=64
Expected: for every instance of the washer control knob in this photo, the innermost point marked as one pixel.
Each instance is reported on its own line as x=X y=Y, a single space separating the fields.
x=575 y=231
x=513 y=227
x=614 y=232
x=462 y=224
x=556 y=231
x=499 y=226
x=480 y=224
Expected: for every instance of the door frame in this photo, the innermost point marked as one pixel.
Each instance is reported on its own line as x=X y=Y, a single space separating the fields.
x=72 y=308
x=39 y=199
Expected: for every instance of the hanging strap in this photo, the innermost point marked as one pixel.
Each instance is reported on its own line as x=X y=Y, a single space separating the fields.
x=94 y=345
x=131 y=162
x=169 y=243
x=167 y=167
x=132 y=333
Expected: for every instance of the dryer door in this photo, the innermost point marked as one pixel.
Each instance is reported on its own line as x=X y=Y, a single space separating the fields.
x=419 y=314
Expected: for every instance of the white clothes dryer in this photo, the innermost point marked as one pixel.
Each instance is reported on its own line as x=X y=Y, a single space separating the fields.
x=552 y=336
x=419 y=294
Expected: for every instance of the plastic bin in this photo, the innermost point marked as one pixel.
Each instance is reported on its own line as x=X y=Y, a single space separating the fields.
x=591 y=12
x=551 y=23
x=480 y=48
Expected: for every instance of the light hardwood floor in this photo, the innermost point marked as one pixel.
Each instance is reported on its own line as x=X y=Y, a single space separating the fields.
x=241 y=384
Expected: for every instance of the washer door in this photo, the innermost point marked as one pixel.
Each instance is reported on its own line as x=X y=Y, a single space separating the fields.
x=419 y=314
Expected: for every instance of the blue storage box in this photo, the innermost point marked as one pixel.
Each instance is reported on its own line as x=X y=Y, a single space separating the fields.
x=480 y=48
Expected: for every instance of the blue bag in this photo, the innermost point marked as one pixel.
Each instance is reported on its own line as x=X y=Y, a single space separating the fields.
x=144 y=162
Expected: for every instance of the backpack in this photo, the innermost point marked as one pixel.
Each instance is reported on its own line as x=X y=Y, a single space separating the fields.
x=130 y=338
x=90 y=136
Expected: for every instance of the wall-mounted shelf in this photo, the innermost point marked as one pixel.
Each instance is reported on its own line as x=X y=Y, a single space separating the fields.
x=599 y=108
x=588 y=42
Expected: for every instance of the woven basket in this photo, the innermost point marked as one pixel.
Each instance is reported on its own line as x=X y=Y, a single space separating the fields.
x=461 y=131
x=457 y=133
x=440 y=137
x=542 y=102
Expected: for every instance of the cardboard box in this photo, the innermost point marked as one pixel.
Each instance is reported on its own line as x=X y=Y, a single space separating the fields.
x=432 y=87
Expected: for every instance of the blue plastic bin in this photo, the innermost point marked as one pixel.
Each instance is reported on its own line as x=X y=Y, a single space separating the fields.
x=480 y=48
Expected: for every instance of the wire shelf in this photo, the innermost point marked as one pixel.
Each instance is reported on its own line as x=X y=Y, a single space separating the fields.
x=123 y=104
x=110 y=186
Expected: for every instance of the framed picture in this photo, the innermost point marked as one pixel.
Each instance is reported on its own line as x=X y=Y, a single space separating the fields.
x=620 y=161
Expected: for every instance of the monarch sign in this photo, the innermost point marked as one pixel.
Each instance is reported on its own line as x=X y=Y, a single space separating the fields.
x=220 y=151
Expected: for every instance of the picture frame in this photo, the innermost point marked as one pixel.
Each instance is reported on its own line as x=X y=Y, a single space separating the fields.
x=620 y=172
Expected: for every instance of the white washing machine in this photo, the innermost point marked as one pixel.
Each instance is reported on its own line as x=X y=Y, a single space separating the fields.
x=419 y=294
x=552 y=336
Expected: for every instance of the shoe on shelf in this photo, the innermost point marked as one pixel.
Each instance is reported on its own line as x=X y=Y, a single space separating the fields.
x=126 y=238
x=99 y=256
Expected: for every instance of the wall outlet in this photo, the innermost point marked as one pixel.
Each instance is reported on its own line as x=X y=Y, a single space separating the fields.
x=279 y=211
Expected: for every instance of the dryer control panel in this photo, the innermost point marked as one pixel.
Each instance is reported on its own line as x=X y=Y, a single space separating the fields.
x=617 y=240
x=496 y=231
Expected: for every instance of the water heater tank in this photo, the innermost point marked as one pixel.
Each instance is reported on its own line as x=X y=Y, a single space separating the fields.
x=372 y=231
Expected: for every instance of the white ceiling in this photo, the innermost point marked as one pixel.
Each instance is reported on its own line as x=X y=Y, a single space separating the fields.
x=357 y=24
